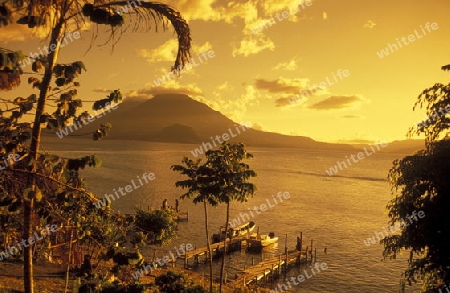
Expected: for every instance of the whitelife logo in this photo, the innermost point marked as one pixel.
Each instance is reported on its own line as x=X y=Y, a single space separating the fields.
x=321 y=86
x=9 y=161
x=85 y=121
x=245 y=217
x=208 y=146
x=411 y=38
x=33 y=239
x=181 y=69
x=318 y=268
x=361 y=156
x=434 y=117
x=47 y=50
x=393 y=229
x=266 y=23
x=128 y=189
x=145 y=269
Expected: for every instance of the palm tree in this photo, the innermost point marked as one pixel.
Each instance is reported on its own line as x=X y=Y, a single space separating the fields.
x=229 y=181
x=59 y=17
x=199 y=190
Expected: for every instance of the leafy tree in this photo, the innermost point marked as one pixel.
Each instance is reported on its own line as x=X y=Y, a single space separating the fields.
x=229 y=180
x=420 y=183
x=198 y=189
x=221 y=179
x=174 y=282
x=159 y=225
x=32 y=179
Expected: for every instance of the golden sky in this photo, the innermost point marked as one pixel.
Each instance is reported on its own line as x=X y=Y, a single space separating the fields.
x=329 y=49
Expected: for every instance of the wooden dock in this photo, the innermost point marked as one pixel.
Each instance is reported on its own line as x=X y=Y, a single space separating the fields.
x=183 y=216
x=232 y=244
x=274 y=266
x=271 y=267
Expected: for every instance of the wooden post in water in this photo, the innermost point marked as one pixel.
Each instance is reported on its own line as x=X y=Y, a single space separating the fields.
x=286 y=259
x=272 y=275
x=306 y=255
x=279 y=266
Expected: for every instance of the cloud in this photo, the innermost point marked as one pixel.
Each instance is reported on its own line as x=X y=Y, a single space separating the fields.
x=225 y=86
x=171 y=87
x=278 y=6
x=201 y=48
x=290 y=92
x=291 y=65
x=168 y=51
x=164 y=52
x=338 y=102
x=289 y=101
x=239 y=107
x=282 y=85
x=353 y=117
x=234 y=109
x=253 y=44
x=102 y=90
x=196 y=9
x=370 y=24
x=15 y=32
x=258 y=126
x=211 y=10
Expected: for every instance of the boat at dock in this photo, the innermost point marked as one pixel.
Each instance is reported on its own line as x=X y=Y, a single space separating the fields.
x=258 y=241
x=243 y=229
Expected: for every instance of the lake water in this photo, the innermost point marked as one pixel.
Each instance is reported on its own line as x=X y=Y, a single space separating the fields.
x=338 y=212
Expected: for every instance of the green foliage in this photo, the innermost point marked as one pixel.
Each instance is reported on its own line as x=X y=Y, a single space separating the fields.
x=10 y=69
x=222 y=178
x=44 y=185
x=175 y=282
x=102 y=15
x=113 y=97
x=197 y=182
x=5 y=15
x=436 y=101
x=446 y=67
x=420 y=183
x=102 y=284
x=65 y=73
x=121 y=288
x=227 y=174
x=160 y=225
x=91 y=161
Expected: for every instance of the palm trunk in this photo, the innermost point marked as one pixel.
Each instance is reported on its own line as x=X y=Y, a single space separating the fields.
x=209 y=249
x=28 y=206
x=222 y=268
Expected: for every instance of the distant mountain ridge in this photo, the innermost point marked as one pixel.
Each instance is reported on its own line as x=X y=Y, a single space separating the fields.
x=177 y=118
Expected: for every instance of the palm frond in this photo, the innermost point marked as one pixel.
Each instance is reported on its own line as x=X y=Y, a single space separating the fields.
x=154 y=14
